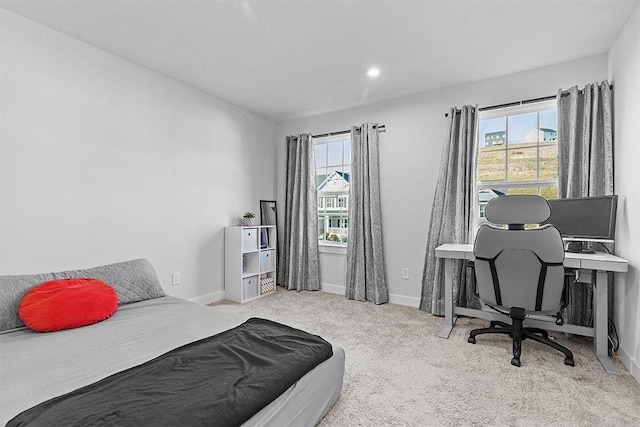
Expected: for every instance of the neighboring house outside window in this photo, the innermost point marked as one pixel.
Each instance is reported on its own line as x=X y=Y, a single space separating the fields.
x=333 y=175
x=517 y=152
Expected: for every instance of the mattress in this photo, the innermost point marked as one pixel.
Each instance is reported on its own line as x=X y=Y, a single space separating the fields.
x=35 y=367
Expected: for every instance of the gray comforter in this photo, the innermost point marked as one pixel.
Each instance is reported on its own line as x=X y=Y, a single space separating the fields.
x=35 y=367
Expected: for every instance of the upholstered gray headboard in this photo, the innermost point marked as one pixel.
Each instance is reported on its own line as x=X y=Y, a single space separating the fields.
x=133 y=281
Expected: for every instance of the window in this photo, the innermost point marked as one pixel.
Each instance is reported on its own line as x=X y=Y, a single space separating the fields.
x=333 y=175
x=335 y=222
x=329 y=201
x=517 y=152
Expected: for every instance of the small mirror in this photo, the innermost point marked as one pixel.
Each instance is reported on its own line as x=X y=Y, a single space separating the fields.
x=268 y=212
x=269 y=216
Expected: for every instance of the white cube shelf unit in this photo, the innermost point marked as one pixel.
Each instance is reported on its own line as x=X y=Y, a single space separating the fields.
x=249 y=262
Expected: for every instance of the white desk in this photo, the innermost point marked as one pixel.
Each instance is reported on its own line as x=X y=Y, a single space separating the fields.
x=600 y=262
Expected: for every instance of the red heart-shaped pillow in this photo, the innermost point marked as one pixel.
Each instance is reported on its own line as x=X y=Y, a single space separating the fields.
x=66 y=304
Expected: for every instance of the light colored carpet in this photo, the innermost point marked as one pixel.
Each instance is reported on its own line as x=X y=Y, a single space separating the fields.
x=399 y=373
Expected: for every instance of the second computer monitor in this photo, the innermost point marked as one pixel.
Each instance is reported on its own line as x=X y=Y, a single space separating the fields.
x=585 y=218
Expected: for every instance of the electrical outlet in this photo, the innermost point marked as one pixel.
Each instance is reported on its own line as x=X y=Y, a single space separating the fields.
x=405 y=273
x=175 y=279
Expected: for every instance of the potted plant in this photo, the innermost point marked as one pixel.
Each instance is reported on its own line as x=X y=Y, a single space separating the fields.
x=247 y=219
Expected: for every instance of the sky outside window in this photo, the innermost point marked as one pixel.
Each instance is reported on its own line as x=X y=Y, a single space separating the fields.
x=520 y=127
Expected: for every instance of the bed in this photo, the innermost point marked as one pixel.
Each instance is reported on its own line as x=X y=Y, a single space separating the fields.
x=35 y=367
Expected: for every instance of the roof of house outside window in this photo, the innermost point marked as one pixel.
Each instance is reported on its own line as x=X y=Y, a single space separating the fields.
x=335 y=181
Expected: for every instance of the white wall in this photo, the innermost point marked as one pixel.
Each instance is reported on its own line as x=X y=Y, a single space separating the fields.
x=102 y=160
x=624 y=73
x=410 y=154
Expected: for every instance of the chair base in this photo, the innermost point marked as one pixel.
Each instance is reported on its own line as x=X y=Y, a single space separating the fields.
x=518 y=333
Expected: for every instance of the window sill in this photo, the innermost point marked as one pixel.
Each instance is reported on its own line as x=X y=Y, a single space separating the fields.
x=328 y=248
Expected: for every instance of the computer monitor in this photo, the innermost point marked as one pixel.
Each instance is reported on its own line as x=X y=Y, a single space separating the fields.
x=587 y=219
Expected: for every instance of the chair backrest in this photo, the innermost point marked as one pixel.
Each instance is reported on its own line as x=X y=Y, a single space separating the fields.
x=518 y=267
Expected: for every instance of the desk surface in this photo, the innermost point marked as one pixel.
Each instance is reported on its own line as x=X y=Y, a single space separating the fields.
x=601 y=262
x=595 y=261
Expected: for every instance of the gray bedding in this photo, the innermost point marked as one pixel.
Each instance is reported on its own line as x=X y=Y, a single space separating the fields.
x=35 y=367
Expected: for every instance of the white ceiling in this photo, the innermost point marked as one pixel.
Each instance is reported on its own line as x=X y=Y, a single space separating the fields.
x=285 y=59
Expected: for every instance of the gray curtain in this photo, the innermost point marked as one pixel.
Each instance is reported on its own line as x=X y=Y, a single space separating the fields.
x=452 y=212
x=365 y=278
x=299 y=258
x=585 y=165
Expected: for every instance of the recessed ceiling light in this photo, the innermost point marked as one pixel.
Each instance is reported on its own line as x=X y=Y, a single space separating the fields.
x=373 y=72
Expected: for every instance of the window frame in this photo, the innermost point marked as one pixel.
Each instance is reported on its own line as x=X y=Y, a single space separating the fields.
x=341 y=211
x=534 y=107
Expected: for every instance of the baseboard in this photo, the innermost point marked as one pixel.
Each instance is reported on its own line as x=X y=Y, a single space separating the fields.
x=393 y=298
x=209 y=298
x=631 y=365
x=404 y=300
x=332 y=289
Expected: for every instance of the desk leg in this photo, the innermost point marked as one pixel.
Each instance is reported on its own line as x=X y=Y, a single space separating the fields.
x=449 y=320
x=601 y=323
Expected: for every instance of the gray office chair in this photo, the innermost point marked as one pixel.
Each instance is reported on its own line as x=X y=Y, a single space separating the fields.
x=519 y=271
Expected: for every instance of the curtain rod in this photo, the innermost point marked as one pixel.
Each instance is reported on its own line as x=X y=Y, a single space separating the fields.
x=381 y=128
x=526 y=101
x=512 y=104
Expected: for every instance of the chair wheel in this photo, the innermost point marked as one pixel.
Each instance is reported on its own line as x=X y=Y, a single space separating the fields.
x=569 y=361
x=472 y=340
x=515 y=362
